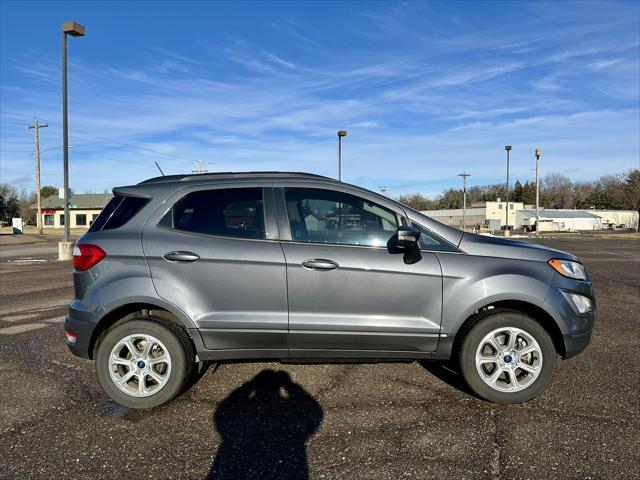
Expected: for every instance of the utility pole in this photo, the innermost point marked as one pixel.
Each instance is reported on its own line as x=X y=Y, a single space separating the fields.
x=36 y=126
x=464 y=176
x=537 y=189
x=506 y=227
x=200 y=168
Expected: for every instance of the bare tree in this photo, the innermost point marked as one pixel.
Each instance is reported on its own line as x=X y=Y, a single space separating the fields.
x=556 y=190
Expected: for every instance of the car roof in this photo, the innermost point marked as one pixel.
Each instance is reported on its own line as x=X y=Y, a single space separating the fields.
x=191 y=177
x=148 y=187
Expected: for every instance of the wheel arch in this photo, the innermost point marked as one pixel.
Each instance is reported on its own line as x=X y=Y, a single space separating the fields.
x=544 y=318
x=126 y=311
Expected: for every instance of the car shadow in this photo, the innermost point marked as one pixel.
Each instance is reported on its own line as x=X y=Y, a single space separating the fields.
x=446 y=373
x=264 y=425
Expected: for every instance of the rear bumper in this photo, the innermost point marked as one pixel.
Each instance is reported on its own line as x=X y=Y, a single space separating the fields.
x=81 y=322
x=83 y=332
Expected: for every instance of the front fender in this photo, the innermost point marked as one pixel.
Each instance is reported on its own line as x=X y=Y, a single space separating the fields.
x=472 y=282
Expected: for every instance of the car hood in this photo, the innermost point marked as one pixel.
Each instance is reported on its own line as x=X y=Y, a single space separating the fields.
x=489 y=246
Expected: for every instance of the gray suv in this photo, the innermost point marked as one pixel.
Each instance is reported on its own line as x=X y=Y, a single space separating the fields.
x=179 y=271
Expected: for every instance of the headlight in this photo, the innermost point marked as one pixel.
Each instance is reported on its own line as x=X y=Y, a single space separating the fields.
x=568 y=268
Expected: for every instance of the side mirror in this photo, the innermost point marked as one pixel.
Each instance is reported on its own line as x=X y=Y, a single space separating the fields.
x=405 y=241
x=408 y=237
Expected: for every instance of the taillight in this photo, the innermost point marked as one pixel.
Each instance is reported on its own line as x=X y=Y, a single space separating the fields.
x=86 y=256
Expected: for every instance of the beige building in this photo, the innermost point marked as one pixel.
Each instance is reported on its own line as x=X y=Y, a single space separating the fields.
x=83 y=209
x=491 y=214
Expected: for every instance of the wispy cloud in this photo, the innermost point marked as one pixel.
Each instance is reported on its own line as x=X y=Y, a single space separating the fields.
x=411 y=91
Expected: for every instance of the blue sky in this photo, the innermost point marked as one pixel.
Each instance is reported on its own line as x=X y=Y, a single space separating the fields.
x=425 y=90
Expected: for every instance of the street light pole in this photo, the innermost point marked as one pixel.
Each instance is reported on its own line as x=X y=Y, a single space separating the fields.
x=506 y=227
x=537 y=189
x=464 y=176
x=341 y=133
x=75 y=30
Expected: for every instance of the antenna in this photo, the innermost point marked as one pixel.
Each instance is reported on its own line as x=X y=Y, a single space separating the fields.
x=161 y=172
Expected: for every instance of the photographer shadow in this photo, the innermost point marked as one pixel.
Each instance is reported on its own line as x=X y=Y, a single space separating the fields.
x=264 y=425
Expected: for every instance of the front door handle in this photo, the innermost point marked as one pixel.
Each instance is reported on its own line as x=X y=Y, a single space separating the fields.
x=319 y=264
x=182 y=257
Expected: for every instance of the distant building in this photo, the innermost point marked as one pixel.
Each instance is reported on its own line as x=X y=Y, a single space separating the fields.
x=614 y=219
x=84 y=208
x=490 y=214
x=560 y=220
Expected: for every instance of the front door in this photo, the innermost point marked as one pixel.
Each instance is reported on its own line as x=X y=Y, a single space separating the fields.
x=211 y=255
x=347 y=293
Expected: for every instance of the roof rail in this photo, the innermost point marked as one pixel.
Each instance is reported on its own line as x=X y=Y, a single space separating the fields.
x=217 y=175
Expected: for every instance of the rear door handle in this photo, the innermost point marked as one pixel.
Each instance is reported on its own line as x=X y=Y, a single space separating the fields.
x=182 y=257
x=319 y=264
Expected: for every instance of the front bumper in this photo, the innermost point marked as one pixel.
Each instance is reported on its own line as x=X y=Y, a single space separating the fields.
x=574 y=343
x=577 y=328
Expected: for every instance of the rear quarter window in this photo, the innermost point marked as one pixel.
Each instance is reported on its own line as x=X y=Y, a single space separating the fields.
x=118 y=211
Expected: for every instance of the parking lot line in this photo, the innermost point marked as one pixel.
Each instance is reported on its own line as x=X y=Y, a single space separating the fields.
x=16 y=329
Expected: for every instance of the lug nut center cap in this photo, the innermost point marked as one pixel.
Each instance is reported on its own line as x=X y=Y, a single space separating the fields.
x=508 y=358
x=141 y=364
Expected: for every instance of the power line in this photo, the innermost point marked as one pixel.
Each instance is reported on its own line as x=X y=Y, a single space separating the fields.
x=4 y=112
x=16 y=151
x=106 y=142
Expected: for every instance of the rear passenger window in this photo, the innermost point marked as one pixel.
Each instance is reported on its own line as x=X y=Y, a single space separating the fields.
x=118 y=211
x=234 y=212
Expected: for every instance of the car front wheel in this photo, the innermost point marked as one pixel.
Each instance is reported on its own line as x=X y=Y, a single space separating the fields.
x=507 y=357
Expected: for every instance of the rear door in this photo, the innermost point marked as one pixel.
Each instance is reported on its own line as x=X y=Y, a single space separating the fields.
x=214 y=253
x=348 y=296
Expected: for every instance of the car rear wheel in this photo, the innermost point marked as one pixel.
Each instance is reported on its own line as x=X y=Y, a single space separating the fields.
x=507 y=357
x=143 y=363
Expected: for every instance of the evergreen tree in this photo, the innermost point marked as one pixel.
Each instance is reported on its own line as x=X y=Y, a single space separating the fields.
x=517 y=192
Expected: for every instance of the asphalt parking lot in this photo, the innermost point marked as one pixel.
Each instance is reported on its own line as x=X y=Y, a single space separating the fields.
x=383 y=421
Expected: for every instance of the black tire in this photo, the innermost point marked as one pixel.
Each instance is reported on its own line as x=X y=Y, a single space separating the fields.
x=471 y=342
x=178 y=345
x=197 y=372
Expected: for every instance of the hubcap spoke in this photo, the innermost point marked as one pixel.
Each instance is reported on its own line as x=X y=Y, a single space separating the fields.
x=115 y=360
x=147 y=347
x=534 y=369
x=127 y=376
x=131 y=346
x=157 y=360
x=161 y=379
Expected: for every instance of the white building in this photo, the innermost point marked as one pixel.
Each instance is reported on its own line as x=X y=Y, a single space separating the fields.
x=613 y=219
x=560 y=220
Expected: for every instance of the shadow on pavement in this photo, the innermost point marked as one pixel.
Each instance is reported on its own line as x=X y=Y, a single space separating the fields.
x=264 y=425
x=448 y=375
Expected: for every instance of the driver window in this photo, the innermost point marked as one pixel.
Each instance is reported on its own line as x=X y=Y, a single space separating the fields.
x=325 y=216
